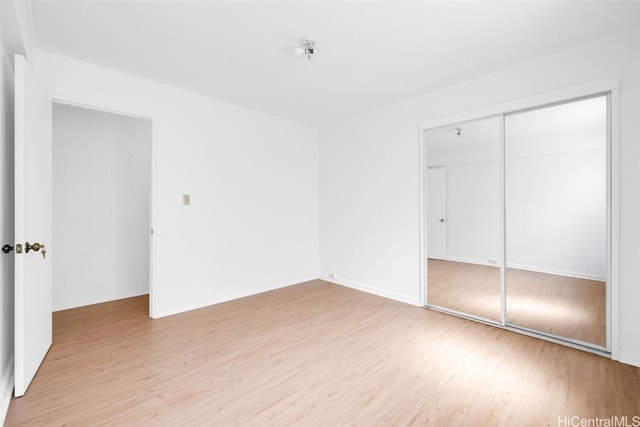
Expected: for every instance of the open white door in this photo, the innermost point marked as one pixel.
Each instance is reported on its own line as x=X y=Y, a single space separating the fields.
x=33 y=227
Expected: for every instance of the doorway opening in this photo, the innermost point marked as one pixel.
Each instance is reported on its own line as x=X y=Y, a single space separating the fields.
x=101 y=206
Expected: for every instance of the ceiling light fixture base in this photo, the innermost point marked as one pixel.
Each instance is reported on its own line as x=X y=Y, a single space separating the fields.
x=307 y=47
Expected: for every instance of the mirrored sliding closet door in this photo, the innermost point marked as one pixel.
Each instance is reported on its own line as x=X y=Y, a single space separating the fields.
x=463 y=223
x=556 y=220
x=517 y=220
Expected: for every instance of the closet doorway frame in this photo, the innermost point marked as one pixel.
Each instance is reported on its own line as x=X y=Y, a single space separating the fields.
x=82 y=103
x=608 y=87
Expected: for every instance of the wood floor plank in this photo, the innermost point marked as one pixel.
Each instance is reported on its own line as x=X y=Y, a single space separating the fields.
x=550 y=303
x=313 y=354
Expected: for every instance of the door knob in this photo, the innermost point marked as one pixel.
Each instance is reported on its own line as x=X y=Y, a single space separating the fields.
x=35 y=247
x=32 y=247
x=7 y=248
x=441 y=219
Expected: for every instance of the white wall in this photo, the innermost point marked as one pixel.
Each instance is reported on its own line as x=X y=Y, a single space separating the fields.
x=253 y=178
x=556 y=189
x=101 y=206
x=369 y=174
x=556 y=213
x=472 y=192
x=473 y=212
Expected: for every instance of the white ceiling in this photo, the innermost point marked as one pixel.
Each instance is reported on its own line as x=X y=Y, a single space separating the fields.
x=578 y=125
x=375 y=52
x=477 y=132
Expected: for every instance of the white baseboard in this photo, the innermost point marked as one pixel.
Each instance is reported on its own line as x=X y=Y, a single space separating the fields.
x=375 y=291
x=629 y=359
x=532 y=268
x=558 y=272
x=472 y=261
x=6 y=390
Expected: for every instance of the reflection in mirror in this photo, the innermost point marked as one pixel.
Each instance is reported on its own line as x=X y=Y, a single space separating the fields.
x=463 y=218
x=556 y=195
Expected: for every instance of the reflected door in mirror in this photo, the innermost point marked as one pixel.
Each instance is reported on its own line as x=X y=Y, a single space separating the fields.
x=463 y=218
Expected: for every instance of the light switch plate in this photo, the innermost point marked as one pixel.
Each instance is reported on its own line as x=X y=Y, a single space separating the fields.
x=186 y=199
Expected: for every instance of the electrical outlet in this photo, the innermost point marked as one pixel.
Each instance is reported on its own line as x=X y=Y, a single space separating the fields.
x=186 y=199
x=332 y=276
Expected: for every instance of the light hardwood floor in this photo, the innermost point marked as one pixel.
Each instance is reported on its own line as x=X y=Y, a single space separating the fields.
x=468 y=288
x=550 y=303
x=314 y=354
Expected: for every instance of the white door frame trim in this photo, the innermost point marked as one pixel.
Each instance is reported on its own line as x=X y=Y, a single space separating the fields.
x=611 y=86
x=82 y=103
